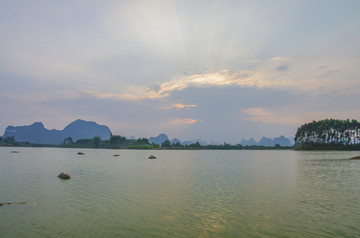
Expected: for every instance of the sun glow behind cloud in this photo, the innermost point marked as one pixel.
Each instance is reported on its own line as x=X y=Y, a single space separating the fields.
x=217 y=79
x=273 y=73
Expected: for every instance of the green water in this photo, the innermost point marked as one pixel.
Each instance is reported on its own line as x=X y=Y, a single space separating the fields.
x=179 y=194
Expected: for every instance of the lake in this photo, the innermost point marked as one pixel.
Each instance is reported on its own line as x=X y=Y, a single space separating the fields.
x=179 y=194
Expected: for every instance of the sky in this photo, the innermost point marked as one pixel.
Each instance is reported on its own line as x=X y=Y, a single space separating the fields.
x=220 y=71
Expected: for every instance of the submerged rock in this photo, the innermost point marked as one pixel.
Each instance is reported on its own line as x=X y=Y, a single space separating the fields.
x=20 y=202
x=152 y=157
x=355 y=157
x=64 y=176
x=10 y=203
x=116 y=155
x=80 y=153
x=14 y=151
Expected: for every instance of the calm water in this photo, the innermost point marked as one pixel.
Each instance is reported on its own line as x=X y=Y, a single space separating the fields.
x=180 y=194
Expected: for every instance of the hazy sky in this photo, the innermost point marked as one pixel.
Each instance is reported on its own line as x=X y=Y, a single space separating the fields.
x=214 y=70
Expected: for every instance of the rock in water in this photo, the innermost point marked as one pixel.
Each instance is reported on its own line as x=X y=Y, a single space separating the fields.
x=152 y=157
x=11 y=203
x=64 y=176
x=81 y=153
x=356 y=157
x=116 y=155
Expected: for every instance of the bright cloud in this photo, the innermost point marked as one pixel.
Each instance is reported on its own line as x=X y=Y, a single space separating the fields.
x=113 y=96
x=222 y=78
x=183 y=121
x=178 y=106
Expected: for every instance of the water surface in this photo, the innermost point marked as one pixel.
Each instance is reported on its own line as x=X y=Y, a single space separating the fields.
x=179 y=194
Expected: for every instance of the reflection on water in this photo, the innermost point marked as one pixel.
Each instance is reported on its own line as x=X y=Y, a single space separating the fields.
x=180 y=194
x=328 y=194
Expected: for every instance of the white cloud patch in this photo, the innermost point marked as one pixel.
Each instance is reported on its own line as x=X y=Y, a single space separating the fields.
x=113 y=96
x=183 y=121
x=178 y=106
x=217 y=79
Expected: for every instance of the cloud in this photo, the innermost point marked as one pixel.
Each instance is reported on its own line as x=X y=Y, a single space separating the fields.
x=177 y=106
x=164 y=89
x=260 y=114
x=288 y=115
x=278 y=58
x=260 y=74
x=217 y=79
x=183 y=121
x=322 y=67
x=113 y=96
x=282 y=68
x=301 y=77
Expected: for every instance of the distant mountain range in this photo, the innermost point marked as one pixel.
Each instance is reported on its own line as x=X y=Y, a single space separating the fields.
x=80 y=129
x=163 y=137
x=37 y=133
x=264 y=141
x=282 y=141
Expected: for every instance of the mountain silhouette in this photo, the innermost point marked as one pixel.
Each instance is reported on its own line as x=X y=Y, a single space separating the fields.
x=37 y=133
x=264 y=141
x=158 y=139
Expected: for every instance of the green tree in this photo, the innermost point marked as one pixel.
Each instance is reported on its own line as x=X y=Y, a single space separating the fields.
x=117 y=141
x=68 y=141
x=177 y=144
x=328 y=133
x=85 y=143
x=143 y=141
x=195 y=145
x=166 y=144
x=10 y=140
x=96 y=141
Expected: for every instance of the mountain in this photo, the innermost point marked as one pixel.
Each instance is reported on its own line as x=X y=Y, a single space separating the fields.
x=268 y=141
x=175 y=140
x=163 y=137
x=37 y=133
x=291 y=140
x=81 y=129
x=158 y=139
x=282 y=141
x=251 y=141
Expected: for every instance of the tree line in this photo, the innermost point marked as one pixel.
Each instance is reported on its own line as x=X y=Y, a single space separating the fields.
x=328 y=134
x=121 y=142
x=114 y=142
